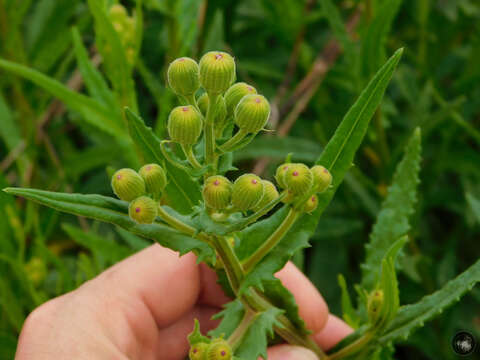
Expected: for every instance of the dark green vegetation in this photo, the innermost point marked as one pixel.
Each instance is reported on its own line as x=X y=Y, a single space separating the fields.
x=303 y=58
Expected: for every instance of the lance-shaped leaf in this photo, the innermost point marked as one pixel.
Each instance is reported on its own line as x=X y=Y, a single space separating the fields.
x=114 y=211
x=393 y=219
x=410 y=317
x=231 y=316
x=182 y=191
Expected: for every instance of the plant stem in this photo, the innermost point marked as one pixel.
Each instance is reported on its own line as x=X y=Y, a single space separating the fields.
x=272 y=241
x=209 y=131
x=236 y=337
x=353 y=347
x=187 y=150
x=190 y=99
x=232 y=265
x=169 y=158
x=230 y=144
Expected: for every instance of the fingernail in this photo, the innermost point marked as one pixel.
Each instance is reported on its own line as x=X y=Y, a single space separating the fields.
x=295 y=353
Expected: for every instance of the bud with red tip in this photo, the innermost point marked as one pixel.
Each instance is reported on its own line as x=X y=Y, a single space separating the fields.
x=252 y=113
x=143 y=210
x=247 y=192
x=183 y=76
x=217 y=192
x=217 y=72
x=127 y=184
x=185 y=125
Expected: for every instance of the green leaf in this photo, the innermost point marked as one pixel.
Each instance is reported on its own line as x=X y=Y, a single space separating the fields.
x=9 y=131
x=115 y=212
x=96 y=84
x=182 y=191
x=474 y=205
x=196 y=336
x=393 y=219
x=92 y=112
x=10 y=305
x=349 y=314
x=231 y=315
x=336 y=24
x=412 y=316
x=254 y=342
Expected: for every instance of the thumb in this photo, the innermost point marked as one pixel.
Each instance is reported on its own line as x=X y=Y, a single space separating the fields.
x=290 y=352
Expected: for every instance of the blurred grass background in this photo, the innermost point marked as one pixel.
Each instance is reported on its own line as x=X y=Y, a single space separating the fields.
x=311 y=58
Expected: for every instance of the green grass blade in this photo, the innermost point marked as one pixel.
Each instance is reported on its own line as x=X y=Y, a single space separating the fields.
x=393 y=219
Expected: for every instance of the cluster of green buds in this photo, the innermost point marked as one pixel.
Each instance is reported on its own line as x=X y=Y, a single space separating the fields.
x=124 y=25
x=142 y=189
x=218 y=349
x=302 y=184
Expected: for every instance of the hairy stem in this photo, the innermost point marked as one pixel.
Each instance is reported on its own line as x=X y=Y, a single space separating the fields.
x=209 y=131
x=230 y=144
x=235 y=339
x=188 y=151
x=230 y=261
x=272 y=241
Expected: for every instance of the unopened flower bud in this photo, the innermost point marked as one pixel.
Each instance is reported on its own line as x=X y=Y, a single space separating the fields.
x=143 y=210
x=117 y=12
x=182 y=75
x=219 y=349
x=289 y=198
x=252 y=112
x=298 y=178
x=270 y=194
x=322 y=178
x=235 y=93
x=185 y=125
x=220 y=109
x=127 y=184
x=155 y=179
x=247 y=192
x=310 y=204
x=279 y=174
x=217 y=192
x=198 y=351
x=217 y=72
x=374 y=305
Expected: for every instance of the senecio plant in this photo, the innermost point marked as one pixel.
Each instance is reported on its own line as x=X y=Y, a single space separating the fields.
x=247 y=228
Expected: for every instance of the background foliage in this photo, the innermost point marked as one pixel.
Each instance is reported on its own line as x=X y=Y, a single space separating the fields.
x=65 y=132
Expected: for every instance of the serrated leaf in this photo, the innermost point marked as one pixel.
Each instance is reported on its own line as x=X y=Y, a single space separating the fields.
x=182 y=191
x=231 y=316
x=196 y=336
x=393 y=219
x=115 y=212
x=254 y=342
x=92 y=112
x=412 y=316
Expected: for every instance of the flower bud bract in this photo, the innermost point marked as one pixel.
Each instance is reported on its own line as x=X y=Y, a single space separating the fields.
x=310 y=204
x=270 y=193
x=182 y=75
x=217 y=72
x=219 y=349
x=127 y=184
x=235 y=93
x=184 y=125
x=280 y=173
x=198 y=351
x=247 y=192
x=143 y=210
x=251 y=113
x=155 y=179
x=298 y=178
x=374 y=305
x=322 y=178
x=217 y=192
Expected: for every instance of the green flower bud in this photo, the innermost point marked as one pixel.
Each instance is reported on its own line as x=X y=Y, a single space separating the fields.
x=252 y=112
x=155 y=179
x=235 y=93
x=117 y=12
x=182 y=75
x=321 y=178
x=289 y=198
x=311 y=204
x=217 y=72
x=298 y=178
x=217 y=192
x=198 y=351
x=247 y=192
x=127 y=184
x=221 y=110
x=219 y=350
x=374 y=305
x=184 y=125
x=280 y=173
x=143 y=210
x=270 y=194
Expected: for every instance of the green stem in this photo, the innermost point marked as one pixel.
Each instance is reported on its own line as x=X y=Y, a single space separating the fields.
x=190 y=99
x=209 y=131
x=169 y=158
x=232 y=265
x=272 y=241
x=188 y=151
x=236 y=337
x=230 y=144
x=352 y=348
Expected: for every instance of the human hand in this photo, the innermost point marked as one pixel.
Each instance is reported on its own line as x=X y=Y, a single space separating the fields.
x=144 y=308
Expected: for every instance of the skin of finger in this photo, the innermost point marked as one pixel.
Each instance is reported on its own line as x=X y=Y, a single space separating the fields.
x=311 y=305
x=334 y=331
x=289 y=352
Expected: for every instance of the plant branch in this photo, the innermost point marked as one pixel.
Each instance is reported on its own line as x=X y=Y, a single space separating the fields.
x=188 y=151
x=352 y=348
x=209 y=130
x=233 y=141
